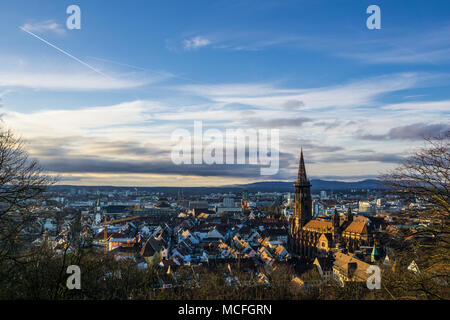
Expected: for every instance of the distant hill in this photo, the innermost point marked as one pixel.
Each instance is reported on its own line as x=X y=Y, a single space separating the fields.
x=268 y=186
x=317 y=185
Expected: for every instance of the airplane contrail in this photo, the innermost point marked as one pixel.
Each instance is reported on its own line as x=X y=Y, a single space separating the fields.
x=65 y=52
x=169 y=74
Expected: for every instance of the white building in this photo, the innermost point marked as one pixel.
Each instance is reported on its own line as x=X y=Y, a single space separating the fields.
x=228 y=202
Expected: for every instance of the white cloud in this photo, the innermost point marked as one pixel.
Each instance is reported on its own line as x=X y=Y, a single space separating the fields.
x=69 y=81
x=402 y=55
x=44 y=26
x=258 y=41
x=138 y=123
x=85 y=121
x=421 y=106
x=423 y=47
x=195 y=43
x=233 y=89
x=353 y=94
x=4 y=92
x=236 y=40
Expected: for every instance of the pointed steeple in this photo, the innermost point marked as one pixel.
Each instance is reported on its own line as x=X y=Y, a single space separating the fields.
x=336 y=218
x=302 y=180
x=375 y=255
x=349 y=214
x=302 y=206
x=336 y=214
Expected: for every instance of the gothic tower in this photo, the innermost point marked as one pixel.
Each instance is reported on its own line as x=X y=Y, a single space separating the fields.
x=302 y=205
x=336 y=222
x=349 y=215
x=335 y=219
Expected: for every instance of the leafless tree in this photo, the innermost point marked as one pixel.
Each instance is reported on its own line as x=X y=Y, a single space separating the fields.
x=424 y=176
x=22 y=186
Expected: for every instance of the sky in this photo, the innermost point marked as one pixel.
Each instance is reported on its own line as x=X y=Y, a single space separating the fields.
x=98 y=105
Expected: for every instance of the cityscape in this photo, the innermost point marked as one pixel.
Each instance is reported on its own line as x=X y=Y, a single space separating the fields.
x=224 y=151
x=327 y=239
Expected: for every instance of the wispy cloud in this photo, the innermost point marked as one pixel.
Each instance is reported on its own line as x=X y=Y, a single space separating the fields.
x=4 y=92
x=403 y=55
x=425 y=47
x=278 y=123
x=415 y=131
x=195 y=43
x=117 y=140
x=421 y=106
x=258 y=41
x=353 y=94
x=234 y=40
x=44 y=26
x=84 y=121
x=78 y=81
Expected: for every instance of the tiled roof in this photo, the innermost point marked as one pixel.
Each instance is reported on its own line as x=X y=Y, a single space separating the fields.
x=279 y=250
x=356 y=227
x=342 y=260
x=325 y=263
x=319 y=226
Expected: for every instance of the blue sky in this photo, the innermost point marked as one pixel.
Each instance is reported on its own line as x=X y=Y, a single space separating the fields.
x=357 y=100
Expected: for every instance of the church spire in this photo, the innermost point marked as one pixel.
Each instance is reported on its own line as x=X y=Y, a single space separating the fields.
x=302 y=180
x=349 y=214
x=302 y=205
x=336 y=218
